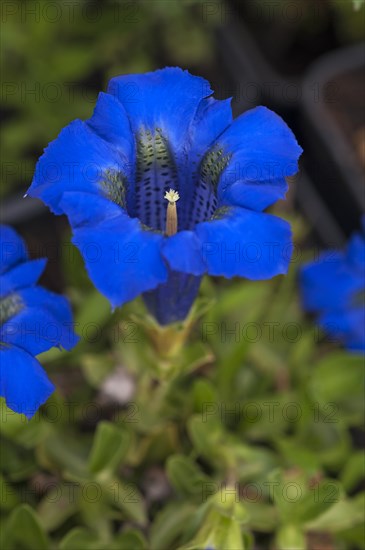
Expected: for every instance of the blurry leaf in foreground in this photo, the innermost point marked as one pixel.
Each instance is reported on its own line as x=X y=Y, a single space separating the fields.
x=338 y=379
x=185 y=476
x=23 y=530
x=222 y=525
x=128 y=540
x=57 y=506
x=79 y=538
x=110 y=446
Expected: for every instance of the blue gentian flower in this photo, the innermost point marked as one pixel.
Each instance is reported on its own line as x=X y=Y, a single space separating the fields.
x=159 y=133
x=333 y=287
x=32 y=320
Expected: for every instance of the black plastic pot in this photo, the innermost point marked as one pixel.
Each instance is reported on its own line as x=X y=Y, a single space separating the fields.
x=329 y=119
x=257 y=82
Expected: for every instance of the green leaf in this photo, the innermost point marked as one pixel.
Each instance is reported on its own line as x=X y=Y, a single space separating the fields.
x=95 y=311
x=109 y=448
x=27 y=433
x=353 y=537
x=318 y=500
x=329 y=440
x=185 y=476
x=9 y=498
x=95 y=512
x=203 y=392
x=343 y=515
x=227 y=534
x=263 y=517
x=218 y=530
x=96 y=367
x=128 y=540
x=299 y=455
x=291 y=537
x=170 y=523
x=353 y=471
x=296 y=501
x=64 y=452
x=23 y=530
x=58 y=505
x=80 y=538
x=238 y=297
x=126 y=497
x=206 y=434
x=338 y=379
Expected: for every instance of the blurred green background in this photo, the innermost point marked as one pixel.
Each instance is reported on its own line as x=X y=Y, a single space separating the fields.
x=57 y=57
x=254 y=438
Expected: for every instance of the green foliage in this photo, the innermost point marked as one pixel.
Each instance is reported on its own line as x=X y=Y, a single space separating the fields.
x=56 y=57
x=109 y=448
x=23 y=530
x=249 y=440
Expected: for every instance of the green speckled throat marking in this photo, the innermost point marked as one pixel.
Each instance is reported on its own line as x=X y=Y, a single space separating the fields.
x=220 y=213
x=10 y=306
x=114 y=185
x=213 y=164
x=205 y=192
x=156 y=173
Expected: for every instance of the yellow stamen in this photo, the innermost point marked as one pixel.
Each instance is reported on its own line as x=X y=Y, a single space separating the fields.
x=171 y=214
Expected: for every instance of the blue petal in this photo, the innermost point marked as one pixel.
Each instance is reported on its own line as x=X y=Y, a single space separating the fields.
x=212 y=118
x=110 y=121
x=166 y=99
x=255 y=195
x=263 y=152
x=183 y=252
x=44 y=321
x=23 y=382
x=86 y=209
x=114 y=247
x=122 y=259
x=334 y=287
x=21 y=276
x=328 y=282
x=76 y=161
x=245 y=243
x=356 y=252
x=347 y=325
x=12 y=247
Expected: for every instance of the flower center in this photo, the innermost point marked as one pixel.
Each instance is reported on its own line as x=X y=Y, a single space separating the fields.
x=157 y=174
x=171 y=214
